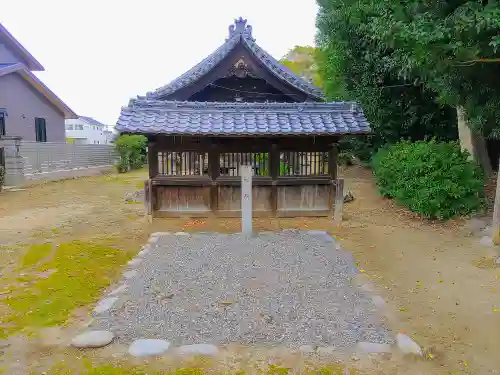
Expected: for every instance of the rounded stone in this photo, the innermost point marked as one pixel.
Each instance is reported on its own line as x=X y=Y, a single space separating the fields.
x=198 y=349
x=93 y=339
x=118 y=290
x=135 y=262
x=306 y=349
x=148 y=347
x=373 y=347
x=130 y=274
x=105 y=304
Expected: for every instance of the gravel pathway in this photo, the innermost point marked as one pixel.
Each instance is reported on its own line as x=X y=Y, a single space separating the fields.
x=289 y=288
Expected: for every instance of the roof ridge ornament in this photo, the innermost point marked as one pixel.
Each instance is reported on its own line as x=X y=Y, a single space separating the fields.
x=240 y=27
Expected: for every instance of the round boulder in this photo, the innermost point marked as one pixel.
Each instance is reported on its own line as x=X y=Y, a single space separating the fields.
x=206 y=350
x=148 y=347
x=93 y=339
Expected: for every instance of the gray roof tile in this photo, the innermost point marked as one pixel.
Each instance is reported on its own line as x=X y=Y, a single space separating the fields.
x=240 y=32
x=215 y=118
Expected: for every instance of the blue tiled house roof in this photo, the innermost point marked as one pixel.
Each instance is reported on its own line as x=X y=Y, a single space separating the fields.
x=152 y=114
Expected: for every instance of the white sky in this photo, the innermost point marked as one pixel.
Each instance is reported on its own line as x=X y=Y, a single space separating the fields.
x=99 y=53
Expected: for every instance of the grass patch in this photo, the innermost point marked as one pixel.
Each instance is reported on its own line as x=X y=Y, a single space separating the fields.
x=74 y=277
x=88 y=368
x=35 y=254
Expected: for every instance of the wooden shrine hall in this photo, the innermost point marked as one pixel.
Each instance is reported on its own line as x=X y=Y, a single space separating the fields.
x=240 y=106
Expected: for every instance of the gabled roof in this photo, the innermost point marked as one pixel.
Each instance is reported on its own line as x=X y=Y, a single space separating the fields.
x=239 y=33
x=16 y=47
x=35 y=82
x=230 y=119
x=91 y=121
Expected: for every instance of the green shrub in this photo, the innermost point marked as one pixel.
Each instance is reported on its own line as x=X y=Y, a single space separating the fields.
x=132 y=152
x=432 y=178
x=2 y=177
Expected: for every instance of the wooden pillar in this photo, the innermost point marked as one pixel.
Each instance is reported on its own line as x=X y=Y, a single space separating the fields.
x=152 y=158
x=214 y=172
x=332 y=171
x=274 y=170
x=332 y=161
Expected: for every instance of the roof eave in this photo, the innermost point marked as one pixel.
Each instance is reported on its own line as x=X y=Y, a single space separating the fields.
x=32 y=63
x=47 y=93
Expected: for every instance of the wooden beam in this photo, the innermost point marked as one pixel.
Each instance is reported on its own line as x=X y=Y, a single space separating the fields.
x=339 y=202
x=214 y=172
x=274 y=171
x=152 y=159
x=332 y=161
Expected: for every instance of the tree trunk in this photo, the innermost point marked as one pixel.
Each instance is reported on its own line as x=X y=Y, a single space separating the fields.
x=495 y=227
x=473 y=142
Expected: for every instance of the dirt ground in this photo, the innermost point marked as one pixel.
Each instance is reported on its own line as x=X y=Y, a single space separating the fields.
x=439 y=282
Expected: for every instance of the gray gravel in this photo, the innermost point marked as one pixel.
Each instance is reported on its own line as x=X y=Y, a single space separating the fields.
x=290 y=288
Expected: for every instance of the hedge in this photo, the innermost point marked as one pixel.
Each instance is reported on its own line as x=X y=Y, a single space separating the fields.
x=432 y=178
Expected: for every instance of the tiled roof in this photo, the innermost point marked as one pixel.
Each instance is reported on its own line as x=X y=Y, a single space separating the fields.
x=240 y=32
x=215 y=118
x=91 y=121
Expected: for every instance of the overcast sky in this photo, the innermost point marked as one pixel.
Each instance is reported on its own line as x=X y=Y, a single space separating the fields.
x=99 y=53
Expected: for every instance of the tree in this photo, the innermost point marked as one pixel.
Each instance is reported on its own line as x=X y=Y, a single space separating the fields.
x=450 y=49
x=302 y=61
x=353 y=67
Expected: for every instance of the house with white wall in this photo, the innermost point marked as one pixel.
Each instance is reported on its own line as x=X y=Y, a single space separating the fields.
x=86 y=130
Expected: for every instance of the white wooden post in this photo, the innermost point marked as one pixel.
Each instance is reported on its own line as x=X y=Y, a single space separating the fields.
x=246 y=199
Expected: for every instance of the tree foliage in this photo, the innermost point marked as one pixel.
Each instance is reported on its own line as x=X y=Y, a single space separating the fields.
x=409 y=62
x=302 y=61
x=132 y=152
x=355 y=66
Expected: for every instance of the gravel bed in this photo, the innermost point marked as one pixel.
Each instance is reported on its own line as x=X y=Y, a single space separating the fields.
x=289 y=288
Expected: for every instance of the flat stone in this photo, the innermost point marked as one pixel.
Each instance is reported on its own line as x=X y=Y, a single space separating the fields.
x=93 y=339
x=317 y=232
x=135 y=262
x=326 y=350
x=148 y=347
x=181 y=234
x=486 y=241
x=105 y=304
x=378 y=301
x=306 y=349
x=130 y=274
x=119 y=290
x=367 y=287
x=373 y=347
x=198 y=349
x=143 y=252
x=159 y=234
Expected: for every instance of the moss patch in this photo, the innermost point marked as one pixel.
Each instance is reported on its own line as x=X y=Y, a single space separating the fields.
x=35 y=254
x=122 y=369
x=73 y=277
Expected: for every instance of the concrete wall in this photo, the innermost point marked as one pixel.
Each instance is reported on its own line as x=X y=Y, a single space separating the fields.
x=37 y=161
x=14 y=172
x=23 y=104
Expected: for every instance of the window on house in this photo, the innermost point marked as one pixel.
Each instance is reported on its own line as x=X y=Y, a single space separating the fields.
x=69 y=127
x=2 y=124
x=40 y=129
